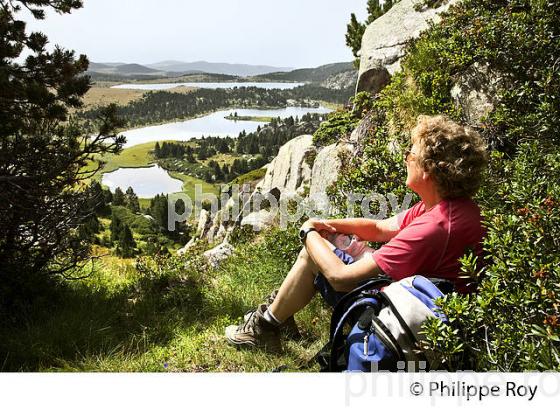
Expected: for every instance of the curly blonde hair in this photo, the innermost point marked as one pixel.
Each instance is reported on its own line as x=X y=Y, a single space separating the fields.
x=455 y=156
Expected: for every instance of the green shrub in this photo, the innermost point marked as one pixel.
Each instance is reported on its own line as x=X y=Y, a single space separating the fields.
x=512 y=322
x=519 y=41
x=342 y=122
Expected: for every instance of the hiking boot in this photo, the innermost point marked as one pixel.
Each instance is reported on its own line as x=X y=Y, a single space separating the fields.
x=255 y=332
x=288 y=328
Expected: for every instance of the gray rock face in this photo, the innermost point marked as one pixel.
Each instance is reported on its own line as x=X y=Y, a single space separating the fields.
x=364 y=129
x=218 y=254
x=203 y=223
x=327 y=166
x=473 y=91
x=259 y=220
x=288 y=170
x=384 y=40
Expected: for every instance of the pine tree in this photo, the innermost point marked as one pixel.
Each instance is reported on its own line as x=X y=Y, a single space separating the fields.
x=126 y=245
x=131 y=200
x=354 y=33
x=115 y=227
x=118 y=197
x=43 y=152
x=355 y=30
x=387 y=4
x=157 y=150
x=158 y=210
x=375 y=10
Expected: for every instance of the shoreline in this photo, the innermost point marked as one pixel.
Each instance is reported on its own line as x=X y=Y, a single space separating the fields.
x=196 y=116
x=204 y=114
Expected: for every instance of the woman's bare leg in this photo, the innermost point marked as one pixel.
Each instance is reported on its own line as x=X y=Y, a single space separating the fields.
x=297 y=289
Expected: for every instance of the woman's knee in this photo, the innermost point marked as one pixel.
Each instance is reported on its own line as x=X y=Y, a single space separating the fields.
x=303 y=254
x=305 y=258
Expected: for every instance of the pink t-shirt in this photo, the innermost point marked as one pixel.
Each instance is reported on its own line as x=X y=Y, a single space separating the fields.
x=430 y=243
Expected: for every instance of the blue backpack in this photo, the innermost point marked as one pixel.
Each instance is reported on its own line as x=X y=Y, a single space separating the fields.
x=385 y=320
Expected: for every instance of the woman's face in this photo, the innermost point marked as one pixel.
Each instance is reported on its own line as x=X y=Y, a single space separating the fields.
x=415 y=173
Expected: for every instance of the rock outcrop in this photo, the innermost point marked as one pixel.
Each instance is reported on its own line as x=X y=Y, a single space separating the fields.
x=259 y=220
x=326 y=167
x=474 y=93
x=204 y=222
x=218 y=254
x=384 y=41
x=289 y=170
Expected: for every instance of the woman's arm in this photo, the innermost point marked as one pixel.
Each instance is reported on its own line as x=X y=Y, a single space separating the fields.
x=367 y=229
x=342 y=277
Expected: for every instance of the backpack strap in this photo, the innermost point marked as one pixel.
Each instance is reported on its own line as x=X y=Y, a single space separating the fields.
x=349 y=298
x=412 y=339
x=388 y=337
x=337 y=338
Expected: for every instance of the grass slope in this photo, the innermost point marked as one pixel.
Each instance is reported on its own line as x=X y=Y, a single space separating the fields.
x=163 y=315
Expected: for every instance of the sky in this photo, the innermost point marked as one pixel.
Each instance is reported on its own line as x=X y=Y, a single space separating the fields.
x=281 y=33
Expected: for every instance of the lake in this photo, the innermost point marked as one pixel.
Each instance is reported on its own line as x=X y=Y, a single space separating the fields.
x=167 y=86
x=146 y=182
x=212 y=125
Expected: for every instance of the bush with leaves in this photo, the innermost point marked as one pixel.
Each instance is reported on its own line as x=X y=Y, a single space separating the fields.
x=342 y=122
x=512 y=322
x=518 y=41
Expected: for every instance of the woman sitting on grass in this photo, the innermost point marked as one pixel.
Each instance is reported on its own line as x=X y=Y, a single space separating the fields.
x=444 y=167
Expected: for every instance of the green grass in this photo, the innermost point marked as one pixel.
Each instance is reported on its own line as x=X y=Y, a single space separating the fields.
x=189 y=184
x=162 y=315
x=136 y=156
x=250 y=176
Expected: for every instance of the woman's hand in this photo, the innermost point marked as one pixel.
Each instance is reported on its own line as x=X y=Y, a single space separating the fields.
x=319 y=225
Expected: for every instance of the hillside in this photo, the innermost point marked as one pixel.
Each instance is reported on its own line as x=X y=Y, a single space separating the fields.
x=315 y=75
x=123 y=70
x=134 y=69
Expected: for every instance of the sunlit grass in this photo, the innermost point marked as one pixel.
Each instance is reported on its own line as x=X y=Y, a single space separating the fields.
x=170 y=317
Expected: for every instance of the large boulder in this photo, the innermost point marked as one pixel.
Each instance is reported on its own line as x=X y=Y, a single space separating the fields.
x=218 y=254
x=474 y=92
x=384 y=41
x=289 y=170
x=327 y=166
x=259 y=220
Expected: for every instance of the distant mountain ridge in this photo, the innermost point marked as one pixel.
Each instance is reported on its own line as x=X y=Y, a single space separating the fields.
x=173 y=68
x=242 y=70
x=123 y=69
x=176 y=69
